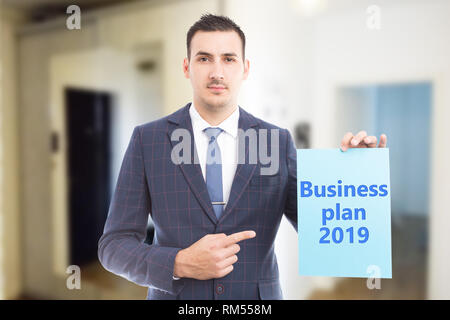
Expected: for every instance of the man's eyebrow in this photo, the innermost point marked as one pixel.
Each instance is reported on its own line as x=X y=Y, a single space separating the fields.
x=203 y=53
x=230 y=54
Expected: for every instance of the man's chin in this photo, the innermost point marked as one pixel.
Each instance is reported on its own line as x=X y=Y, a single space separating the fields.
x=217 y=103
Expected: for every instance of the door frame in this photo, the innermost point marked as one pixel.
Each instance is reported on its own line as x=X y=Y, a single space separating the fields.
x=87 y=69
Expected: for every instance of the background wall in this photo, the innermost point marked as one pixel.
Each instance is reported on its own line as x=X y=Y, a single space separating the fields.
x=10 y=219
x=38 y=234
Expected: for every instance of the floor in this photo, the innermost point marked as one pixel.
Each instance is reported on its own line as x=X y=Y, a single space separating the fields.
x=409 y=256
x=111 y=286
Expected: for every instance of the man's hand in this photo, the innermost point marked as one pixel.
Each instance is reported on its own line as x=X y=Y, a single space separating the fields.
x=362 y=140
x=210 y=257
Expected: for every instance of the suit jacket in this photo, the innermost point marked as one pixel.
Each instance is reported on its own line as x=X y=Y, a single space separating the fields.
x=176 y=197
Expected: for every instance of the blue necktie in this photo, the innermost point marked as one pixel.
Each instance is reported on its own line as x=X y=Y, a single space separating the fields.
x=214 y=170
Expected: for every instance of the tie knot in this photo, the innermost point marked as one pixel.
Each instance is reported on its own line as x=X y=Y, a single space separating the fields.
x=212 y=133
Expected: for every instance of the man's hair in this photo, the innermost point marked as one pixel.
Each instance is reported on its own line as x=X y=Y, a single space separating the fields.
x=209 y=22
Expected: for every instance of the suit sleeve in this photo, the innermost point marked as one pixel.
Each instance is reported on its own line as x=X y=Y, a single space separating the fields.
x=121 y=248
x=290 y=207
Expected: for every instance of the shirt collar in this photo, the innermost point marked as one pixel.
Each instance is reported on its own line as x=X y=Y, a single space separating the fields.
x=229 y=125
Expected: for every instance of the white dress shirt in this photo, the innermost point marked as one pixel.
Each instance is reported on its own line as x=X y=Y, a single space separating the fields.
x=228 y=145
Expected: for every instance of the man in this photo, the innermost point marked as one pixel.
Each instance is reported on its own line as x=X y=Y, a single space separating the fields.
x=203 y=207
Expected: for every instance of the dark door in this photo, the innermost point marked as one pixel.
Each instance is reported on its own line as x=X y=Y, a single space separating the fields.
x=88 y=135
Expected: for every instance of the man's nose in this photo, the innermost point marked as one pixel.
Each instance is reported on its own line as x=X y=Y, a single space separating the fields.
x=217 y=71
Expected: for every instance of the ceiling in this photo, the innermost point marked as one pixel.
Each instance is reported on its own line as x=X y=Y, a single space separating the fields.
x=40 y=10
x=33 y=4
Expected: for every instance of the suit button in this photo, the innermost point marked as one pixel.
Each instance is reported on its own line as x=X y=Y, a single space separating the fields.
x=220 y=289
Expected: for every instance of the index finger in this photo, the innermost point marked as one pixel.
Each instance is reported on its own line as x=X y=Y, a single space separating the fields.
x=238 y=236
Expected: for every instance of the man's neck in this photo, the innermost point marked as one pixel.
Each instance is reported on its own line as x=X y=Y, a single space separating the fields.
x=214 y=117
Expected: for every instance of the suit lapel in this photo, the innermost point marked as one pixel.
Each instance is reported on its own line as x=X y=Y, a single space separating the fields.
x=192 y=172
x=244 y=171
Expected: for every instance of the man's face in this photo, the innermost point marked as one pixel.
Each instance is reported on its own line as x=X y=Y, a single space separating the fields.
x=216 y=68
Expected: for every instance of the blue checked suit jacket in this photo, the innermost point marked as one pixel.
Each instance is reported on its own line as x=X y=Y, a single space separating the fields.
x=176 y=197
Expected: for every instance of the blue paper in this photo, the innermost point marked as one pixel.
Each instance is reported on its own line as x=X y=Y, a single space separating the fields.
x=346 y=230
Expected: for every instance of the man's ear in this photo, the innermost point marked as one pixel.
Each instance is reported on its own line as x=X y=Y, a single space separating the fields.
x=246 y=69
x=186 y=68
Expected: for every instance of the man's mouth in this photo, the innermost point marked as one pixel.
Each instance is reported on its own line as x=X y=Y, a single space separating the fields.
x=217 y=88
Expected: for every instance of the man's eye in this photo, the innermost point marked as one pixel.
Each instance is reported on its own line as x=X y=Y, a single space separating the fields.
x=203 y=59
x=230 y=59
